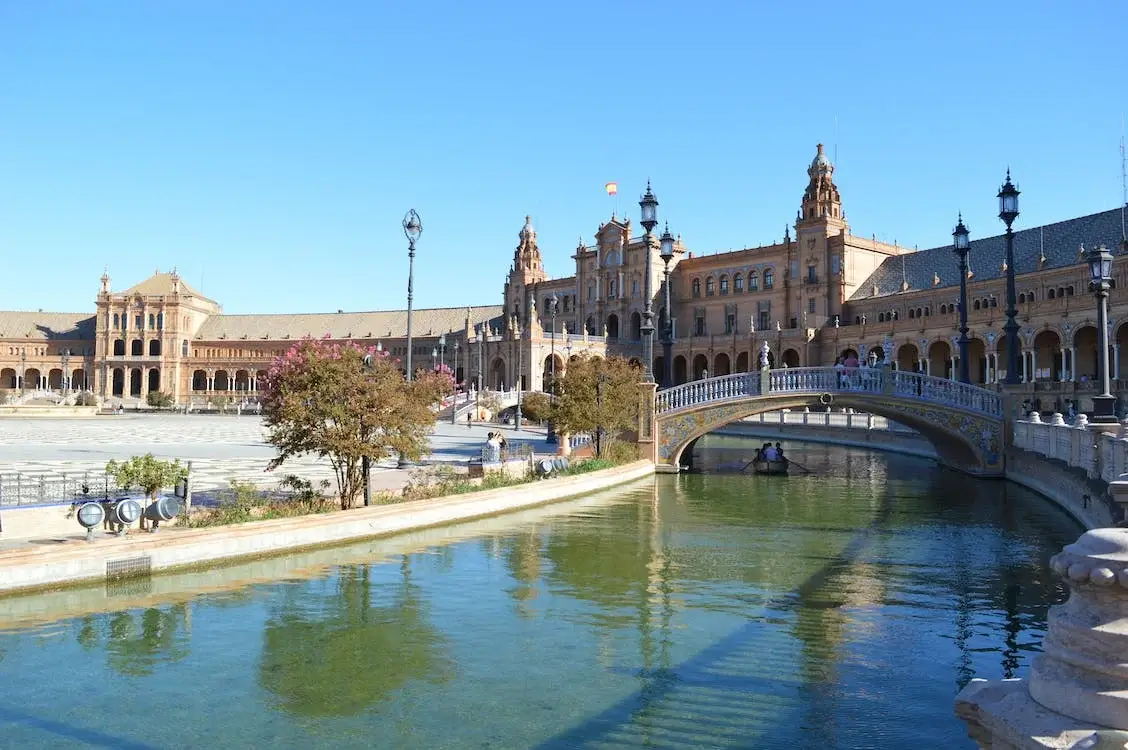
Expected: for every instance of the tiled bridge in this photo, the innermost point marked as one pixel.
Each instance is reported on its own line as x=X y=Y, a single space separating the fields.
x=964 y=422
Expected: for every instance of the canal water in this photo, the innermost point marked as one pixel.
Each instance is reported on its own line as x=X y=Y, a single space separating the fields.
x=838 y=609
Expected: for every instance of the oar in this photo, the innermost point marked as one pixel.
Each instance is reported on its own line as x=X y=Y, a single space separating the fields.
x=745 y=467
x=793 y=462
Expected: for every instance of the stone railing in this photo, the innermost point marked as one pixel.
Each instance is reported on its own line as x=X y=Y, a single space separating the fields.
x=1101 y=456
x=846 y=420
x=878 y=381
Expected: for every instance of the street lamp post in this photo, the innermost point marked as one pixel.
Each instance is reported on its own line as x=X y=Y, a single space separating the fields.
x=961 y=246
x=1100 y=274
x=520 y=371
x=1008 y=212
x=480 y=335
x=454 y=406
x=666 y=246
x=23 y=369
x=553 y=301
x=442 y=350
x=649 y=205
x=412 y=228
x=65 y=358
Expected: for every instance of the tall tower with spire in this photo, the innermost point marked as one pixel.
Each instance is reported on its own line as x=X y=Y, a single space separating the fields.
x=815 y=262
x=527 y=271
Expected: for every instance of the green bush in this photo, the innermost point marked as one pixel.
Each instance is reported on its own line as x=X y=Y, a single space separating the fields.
x=159 y=400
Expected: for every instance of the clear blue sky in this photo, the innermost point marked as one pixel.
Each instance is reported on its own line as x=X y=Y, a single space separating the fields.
x=270 y=149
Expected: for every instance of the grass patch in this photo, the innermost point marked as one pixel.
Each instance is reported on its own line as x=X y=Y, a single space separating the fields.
x=242 y=502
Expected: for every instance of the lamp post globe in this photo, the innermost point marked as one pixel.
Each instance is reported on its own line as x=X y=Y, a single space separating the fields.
x=666 y=252
x=412 y=229
x=961 y=245
x=648 y=205
x=1100 y=281
x=1008 y=212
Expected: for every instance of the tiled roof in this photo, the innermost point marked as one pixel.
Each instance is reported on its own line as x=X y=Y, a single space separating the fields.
x=1059 y=241
x=359 y=325
x=162 y=283
x=46 y=326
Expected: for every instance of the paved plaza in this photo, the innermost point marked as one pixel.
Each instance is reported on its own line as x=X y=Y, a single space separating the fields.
x=221 y=448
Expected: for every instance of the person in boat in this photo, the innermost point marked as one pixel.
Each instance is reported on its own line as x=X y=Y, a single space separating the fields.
x=759 y=455
x=779 y=452
x=770 y=453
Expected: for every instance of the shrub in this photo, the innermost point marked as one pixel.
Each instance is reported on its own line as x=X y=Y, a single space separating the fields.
x=159 y=400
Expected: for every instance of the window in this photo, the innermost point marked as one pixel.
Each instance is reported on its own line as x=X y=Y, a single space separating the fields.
x=117 y=321
x=753 y=281
x=634 y=288
x=136 y=348
x=769 y=279
x=591 y=292
x=119 y=348
x=737 y=283
x=724 y=284
x=1050 y=294
x=611 y=288
x=912 y=313
x=152 y=321
x=794 y=270
x=697 y=287
x=835 y=264
x=710 y=287
x=927 y=312
x=812 y=307
x=699 y=324
x=730 y=322
x=139 y=322
x=160 y=321
x=812 y=277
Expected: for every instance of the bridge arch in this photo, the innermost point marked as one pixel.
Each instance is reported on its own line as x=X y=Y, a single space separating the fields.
x=963 y=422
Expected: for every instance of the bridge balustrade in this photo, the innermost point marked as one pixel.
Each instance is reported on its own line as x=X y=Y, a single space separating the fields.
x=1100 y=455
x=913 y=386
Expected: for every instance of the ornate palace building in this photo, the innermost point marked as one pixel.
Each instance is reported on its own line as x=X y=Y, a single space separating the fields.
x=817 y=293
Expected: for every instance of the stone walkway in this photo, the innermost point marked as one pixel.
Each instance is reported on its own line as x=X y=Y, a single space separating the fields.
x=221 y=448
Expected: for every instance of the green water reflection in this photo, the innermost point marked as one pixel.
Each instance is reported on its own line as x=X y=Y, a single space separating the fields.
x=843 y=609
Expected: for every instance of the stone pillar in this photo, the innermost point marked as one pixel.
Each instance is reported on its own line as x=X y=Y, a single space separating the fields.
x=1061 y=366
x=952 y=361
x=1025 y=366
x=1116 y=361
x=1078 y=685
x=1073 y=364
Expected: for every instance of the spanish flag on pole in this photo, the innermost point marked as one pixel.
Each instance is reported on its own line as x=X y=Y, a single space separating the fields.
x=612 y=188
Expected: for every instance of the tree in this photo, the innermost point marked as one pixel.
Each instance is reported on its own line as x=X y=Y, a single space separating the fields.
x=343 y=402
x=597 y=395
x=536 y=406
x=147 y=473
x=159 y=400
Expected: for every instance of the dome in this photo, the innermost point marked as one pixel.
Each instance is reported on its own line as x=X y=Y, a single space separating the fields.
x=820 y=161
x=527 y=231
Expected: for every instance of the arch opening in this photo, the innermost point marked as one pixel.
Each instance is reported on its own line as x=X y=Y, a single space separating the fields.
x=953 y=448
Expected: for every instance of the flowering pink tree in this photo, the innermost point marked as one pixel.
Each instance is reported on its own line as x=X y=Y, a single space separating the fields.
x=343 y=402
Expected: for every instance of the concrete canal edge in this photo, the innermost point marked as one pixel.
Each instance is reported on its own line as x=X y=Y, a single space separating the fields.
x=35 y=568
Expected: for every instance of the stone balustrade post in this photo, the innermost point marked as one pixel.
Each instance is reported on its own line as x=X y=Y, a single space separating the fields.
x=1077 y=692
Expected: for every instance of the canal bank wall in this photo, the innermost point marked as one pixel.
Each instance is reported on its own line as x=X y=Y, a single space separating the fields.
x=906 y=443
x=1071 y=489
x=113 y=558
